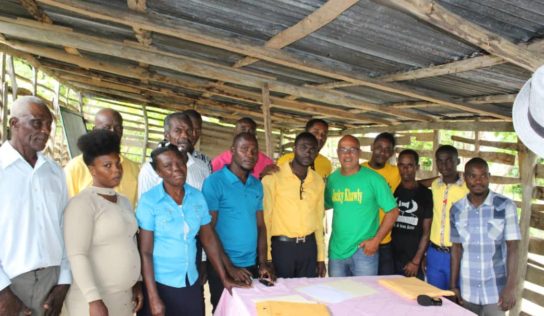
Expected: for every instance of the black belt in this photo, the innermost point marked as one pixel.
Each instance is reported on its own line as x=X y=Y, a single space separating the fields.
x=294 y=239
x=439 y=248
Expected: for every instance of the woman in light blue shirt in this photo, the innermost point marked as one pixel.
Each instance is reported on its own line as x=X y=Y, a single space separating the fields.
x=170 y=215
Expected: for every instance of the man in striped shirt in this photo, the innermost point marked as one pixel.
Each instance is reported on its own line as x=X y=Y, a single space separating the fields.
x=485 y=236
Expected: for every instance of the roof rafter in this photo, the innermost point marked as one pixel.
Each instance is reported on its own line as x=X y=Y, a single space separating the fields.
x=188 y=32
x=311 y=23
x=437 y=15
x=61 y=36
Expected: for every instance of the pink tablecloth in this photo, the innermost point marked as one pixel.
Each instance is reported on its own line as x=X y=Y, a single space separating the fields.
x=383 y=302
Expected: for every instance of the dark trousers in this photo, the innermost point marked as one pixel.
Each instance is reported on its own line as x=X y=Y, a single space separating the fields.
x=33 y=287
x=295 y=260
x=399 y=269
x=216 y=286
x=184 y=301
x=386 y=266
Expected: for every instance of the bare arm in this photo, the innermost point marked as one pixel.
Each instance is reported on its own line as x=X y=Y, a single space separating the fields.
x=412 y=267
x=265 y=270
x=507 y=298
x=146 y=241
x=371 y=245
x=455 y=265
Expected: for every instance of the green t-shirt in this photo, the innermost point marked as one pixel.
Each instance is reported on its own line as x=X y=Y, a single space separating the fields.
x=356 y=200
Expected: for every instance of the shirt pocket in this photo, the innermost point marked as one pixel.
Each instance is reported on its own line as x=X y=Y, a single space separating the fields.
x=463 y=230
x=166 y=224
x=495 y=229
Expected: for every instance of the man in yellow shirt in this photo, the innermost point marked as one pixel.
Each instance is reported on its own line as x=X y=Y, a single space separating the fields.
x=447 y=189
x=77 y=174
x=293 y=213
x=383 y=148
x=322 y=165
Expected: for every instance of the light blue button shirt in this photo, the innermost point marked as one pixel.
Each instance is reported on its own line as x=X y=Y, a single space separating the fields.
x=174 y=229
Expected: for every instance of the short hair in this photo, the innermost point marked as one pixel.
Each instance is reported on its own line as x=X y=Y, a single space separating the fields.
x=163 y=147
x=449 y=149
x=176 y=115
x=247 y=120
x=194 y=115
x=386 y=136
x=314 y=121
x=410 y=152
x=19 y=104
x=97 y=143
x=476 y=161
x=246 y=136
x=305 y=135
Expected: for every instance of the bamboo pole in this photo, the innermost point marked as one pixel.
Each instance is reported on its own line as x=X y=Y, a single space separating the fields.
x=13 y=77
x=34 y=81
x=267 y=120
x=527 y=164
x=146 y=133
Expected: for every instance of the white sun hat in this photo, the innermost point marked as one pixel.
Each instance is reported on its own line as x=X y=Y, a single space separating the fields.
x=528 y=113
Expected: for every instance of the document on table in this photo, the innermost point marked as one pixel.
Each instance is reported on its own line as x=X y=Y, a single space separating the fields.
x=336 y=291
x=283 y=298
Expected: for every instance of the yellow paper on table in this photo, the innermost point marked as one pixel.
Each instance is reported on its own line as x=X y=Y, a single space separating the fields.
x=412 y=287
x=272 y=308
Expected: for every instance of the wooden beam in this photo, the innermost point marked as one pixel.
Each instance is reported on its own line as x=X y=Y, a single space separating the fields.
x=143 y=36
x=437 y=15
x=188 y=32
x=329 y=11
x=502 y=145
x=442 y=125
x=486 y=99
x=12 y=76
x=527 y=164
x=61 y=36
x=267 y=121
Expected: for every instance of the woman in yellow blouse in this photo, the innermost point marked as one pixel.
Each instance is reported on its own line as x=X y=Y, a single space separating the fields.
x=100 y=235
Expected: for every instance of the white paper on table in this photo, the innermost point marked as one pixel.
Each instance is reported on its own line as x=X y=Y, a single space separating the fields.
x=336 y=291
x=283 y=298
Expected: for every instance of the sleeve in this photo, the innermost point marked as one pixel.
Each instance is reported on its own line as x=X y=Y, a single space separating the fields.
x=78 y=233
x=328 y=195
x=261 y=193
x=454 y=233
x=427 y=204
x=145 y=179
x=384 y=197
x=65 y=275
x=283 y=159
x=319 y=231
x=511 y=227
x=145 y=215
x=205 y=217
x=211 y=194
x=72 y=185
x=4 y=279
x=268 y=204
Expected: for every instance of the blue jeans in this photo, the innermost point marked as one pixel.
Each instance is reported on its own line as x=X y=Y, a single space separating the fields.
x=357 y=265
x=438 y=268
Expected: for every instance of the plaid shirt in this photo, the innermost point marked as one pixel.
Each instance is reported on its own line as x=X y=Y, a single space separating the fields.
x=483 y=232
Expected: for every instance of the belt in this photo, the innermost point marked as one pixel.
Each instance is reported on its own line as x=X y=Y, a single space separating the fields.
x=440 y=248
x=294 y=239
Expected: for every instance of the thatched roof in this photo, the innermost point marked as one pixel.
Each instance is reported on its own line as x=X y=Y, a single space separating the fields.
x=355 y=63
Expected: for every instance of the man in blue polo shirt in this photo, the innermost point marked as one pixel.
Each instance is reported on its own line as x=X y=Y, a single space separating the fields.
x=235 y=200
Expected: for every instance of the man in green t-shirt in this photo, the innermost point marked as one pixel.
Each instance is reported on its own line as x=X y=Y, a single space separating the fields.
x=356 y=194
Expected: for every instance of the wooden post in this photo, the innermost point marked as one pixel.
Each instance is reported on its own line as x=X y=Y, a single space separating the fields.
x=267 y=120
x=3 y=74
x=436 y=144
x=5 y=111
x=11 y=69
x=146 y=133
x=527 y=164
x=34 y=81
x=80 y=102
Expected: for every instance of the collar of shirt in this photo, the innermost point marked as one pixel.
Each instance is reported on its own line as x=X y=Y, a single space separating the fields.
x=487 y=202
x=160 y=192
x=8 y=156
x=286 y=172
x=459 y=182
x=234 y=178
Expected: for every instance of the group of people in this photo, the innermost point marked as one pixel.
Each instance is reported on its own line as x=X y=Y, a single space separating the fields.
x=71 y=240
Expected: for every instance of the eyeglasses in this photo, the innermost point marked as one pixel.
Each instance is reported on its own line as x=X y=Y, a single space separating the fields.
x=348 y=150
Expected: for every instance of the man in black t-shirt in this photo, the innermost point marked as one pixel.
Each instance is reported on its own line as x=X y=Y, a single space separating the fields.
x=410 y=234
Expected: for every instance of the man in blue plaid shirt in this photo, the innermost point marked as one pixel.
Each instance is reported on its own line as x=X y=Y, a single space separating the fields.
x=485 y=236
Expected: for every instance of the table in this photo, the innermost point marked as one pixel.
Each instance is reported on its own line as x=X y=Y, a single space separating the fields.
x=383 y=302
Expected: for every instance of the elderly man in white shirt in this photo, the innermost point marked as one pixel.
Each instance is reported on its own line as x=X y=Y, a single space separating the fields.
x=34 y=271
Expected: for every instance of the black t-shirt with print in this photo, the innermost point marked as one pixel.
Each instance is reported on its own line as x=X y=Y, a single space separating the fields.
x=414 y=205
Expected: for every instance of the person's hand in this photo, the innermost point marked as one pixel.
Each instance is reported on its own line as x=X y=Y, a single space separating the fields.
x=11 y=305
x=156 y=306
x=411 y=269
x=321 y=269
x=507 y=299
x=228 y=284
x=239 y=275
x=267 y=272
x=458 y=297
x=268 y=170
x=137 y=296
x=98 y=308
x=370 y=246
x=202 y=273
x=53 y=302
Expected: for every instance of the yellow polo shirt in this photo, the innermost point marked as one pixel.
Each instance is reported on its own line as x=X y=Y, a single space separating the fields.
x=444 y=195
x=78 y=178
x=322 y=165
x=392 y=177
x=287 y=214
